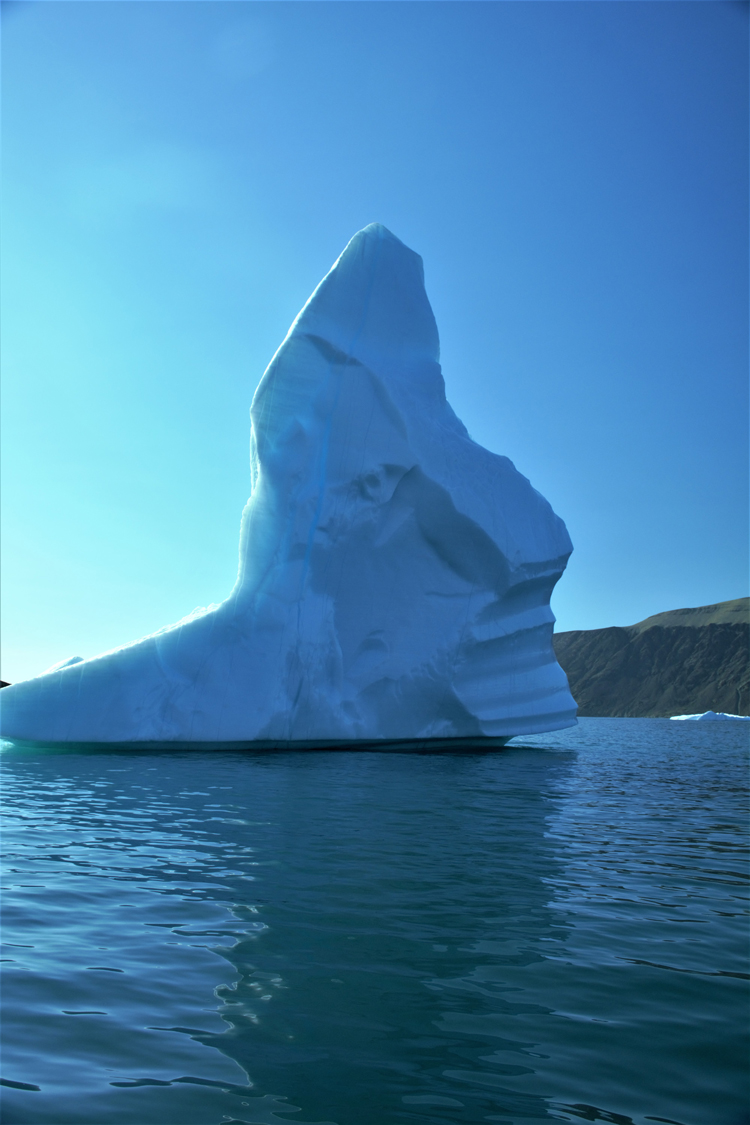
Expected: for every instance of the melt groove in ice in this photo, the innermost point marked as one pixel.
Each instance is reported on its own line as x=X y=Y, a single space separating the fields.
x=394 y=576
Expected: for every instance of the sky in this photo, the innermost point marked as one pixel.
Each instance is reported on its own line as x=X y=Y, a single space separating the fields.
x=178 y=176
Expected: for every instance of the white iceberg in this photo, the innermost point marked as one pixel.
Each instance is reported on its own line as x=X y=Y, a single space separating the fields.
x=394 y=576
x=710 y=715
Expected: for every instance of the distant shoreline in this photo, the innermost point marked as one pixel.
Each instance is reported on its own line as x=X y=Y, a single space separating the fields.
x=684 y=661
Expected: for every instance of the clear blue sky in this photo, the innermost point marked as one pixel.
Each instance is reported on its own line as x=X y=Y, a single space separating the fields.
x=179 y=176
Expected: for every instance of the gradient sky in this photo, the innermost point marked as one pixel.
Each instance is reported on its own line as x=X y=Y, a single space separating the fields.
x=179 y=176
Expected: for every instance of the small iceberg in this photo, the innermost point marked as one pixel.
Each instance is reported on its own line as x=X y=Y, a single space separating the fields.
x=710 y=715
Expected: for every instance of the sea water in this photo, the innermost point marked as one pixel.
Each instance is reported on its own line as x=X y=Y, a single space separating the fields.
x=552 y=932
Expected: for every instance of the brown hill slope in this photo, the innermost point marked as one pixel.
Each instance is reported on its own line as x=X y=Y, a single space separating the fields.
x=681 y=662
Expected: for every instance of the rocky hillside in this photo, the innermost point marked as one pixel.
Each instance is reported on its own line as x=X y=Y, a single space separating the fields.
x=676 y=663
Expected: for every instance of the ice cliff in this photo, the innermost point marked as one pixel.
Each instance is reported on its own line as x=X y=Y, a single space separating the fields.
x=394 y=576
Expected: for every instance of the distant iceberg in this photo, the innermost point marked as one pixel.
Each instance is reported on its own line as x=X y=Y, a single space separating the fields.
x=394 y=576
x=711 y=715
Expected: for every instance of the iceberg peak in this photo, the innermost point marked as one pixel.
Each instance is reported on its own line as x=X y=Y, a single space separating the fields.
x=372 y=303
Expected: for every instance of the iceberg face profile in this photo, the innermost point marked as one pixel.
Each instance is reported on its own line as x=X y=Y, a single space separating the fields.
x=394 y=576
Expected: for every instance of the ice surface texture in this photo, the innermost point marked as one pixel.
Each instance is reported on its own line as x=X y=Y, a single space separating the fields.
x=394 y=576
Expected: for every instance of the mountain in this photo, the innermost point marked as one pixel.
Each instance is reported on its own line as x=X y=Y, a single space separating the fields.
x=679 y=662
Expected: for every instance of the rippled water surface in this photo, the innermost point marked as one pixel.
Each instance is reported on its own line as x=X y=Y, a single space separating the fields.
x=553 y=932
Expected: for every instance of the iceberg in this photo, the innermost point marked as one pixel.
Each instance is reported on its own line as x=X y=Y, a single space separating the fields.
x=394 y=576
x=711 y=715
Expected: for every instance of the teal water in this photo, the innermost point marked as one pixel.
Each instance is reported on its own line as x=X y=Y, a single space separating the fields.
x=553 y=932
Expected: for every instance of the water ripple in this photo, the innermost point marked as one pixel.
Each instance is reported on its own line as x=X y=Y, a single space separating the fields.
x=555 y=932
